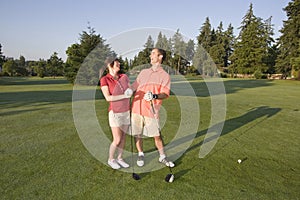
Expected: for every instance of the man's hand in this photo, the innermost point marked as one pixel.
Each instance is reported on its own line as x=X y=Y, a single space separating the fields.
x=150 y=96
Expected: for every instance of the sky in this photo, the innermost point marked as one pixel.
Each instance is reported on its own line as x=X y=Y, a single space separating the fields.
x=36 y=29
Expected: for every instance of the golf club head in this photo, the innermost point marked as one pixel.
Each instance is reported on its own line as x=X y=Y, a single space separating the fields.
x=169 y=178
x=136 y=176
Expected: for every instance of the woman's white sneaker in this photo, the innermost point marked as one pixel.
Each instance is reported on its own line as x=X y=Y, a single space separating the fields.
x=113 y=164
x=122 y=163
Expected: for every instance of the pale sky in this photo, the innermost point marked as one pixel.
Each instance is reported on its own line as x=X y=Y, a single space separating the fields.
x=36 y=29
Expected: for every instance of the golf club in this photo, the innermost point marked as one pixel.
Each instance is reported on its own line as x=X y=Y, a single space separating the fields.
x=134 y=175
x=170 y=177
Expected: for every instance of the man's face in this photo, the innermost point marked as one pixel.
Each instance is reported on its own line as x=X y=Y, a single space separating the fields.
x=155 y=57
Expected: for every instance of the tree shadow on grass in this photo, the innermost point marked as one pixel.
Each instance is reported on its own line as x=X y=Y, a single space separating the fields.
x=16 y=112
x=202 y=88
x=31 y=81
x=44 y=97
x=24 y=98
x=230 y=125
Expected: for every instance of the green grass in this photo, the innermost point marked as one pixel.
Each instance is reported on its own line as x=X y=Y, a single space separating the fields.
x=42 y=156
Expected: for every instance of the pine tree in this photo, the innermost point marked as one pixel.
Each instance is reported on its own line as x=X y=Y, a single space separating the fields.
x=179 y=49
x=204 y=38
x=252 y=45
x=159 y=42
x=142 y=60
x=2 y=58
x=217 y=51
x=202 y=60
x=163 y=43
x=190 y=50
x=54 y=66
x=87 y=57
x=228 y=44
x=289 y=41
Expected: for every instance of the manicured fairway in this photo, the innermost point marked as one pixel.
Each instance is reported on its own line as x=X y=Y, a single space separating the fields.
x=42 y=156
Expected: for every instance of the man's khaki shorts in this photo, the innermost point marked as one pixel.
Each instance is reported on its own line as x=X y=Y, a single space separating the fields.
x=146 y=126
x=118 y=119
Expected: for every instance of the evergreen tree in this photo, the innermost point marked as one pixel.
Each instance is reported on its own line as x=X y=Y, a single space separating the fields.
x=2 y=57
x=252 y=45
x=125 y=65
x=88 y=56
x=189 y=54
x=143 y=58
x=289 y=41
x=160 y=42
x=204 y=38
x=22 y=62
x=179 y=50
x=190 y=50
x=217 y=51
x=54 y=66
x=270 y=59
x=165 y=44
x=229 y=43
x=202 y=47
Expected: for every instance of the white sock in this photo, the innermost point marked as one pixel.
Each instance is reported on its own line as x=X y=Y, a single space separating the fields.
x=162 y=156
x=141 y=153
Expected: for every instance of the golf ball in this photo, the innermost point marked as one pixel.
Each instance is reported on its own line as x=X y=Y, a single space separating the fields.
x=239 y=160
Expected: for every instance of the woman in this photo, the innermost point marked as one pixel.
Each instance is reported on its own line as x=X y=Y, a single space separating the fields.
x=115 y=88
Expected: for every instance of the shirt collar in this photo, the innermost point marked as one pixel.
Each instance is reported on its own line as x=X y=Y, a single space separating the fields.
x=110 y=76
x=158 y=69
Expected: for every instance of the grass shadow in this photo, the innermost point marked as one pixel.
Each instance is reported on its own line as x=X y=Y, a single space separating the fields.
x=202 y=88
x=230 y=125
x=16 y=112
x=31 y=81
x=33 y=98
x=28 y=98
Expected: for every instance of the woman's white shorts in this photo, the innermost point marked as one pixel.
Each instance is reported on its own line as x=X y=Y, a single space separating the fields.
x=118 y=119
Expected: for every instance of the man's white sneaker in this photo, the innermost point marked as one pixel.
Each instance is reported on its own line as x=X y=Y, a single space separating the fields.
x=122 y=163
x=166 y=162
x=113 y=164
x=140 y=161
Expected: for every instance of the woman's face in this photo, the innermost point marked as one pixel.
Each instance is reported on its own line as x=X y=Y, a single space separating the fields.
x=116 y=66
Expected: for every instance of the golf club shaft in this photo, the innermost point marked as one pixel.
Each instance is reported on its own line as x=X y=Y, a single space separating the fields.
x=134 y=175
x=158 y=127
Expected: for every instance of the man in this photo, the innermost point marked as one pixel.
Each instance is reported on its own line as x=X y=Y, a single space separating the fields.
x=152 y=86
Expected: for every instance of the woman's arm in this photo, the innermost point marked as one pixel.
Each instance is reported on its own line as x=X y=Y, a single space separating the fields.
x=109 y=97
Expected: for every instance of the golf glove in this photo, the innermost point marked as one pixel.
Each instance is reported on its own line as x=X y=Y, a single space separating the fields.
x=128 y=93
x=149 y=96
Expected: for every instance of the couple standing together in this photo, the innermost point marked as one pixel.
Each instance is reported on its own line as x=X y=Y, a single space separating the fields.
x=150 y=88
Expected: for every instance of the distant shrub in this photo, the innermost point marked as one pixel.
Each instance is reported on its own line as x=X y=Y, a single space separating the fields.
x=258 y=74
x=223 y=75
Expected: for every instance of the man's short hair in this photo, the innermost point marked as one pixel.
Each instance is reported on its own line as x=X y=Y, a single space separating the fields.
x=162 y=52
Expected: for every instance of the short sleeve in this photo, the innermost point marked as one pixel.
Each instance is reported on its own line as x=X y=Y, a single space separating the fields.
x=103 y=81
x=166 y=85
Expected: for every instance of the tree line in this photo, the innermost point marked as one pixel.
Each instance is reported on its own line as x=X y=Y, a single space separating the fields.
x=253 y=52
